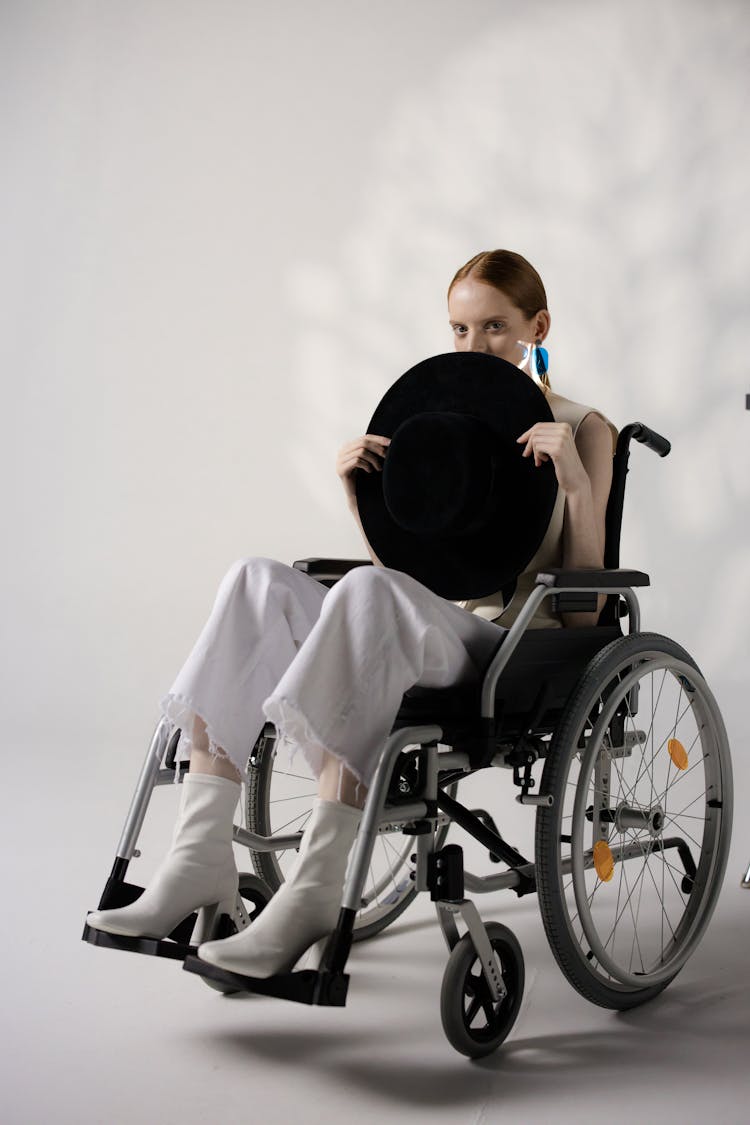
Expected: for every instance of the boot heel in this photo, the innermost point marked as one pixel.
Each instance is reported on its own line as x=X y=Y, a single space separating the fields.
x=314 y=955
x=206 y=922
x=226 y=916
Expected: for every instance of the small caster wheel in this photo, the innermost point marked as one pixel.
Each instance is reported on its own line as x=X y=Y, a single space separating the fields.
x=472 y=1022
x=255 y=895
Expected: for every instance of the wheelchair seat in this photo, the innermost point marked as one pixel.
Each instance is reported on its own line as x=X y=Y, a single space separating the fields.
x=535 y=685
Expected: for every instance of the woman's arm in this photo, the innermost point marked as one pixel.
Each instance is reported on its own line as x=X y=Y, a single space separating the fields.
x=586 y=507
x=365 y=453
x=355 y=512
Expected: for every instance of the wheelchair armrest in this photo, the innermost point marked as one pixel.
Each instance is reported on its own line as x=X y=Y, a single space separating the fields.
x=329 y=570
x=600 y=579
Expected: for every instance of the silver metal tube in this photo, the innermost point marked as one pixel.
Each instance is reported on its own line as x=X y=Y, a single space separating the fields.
x=634 y=611
x=394 y=815
x=166 y=777
x=481 y=942
x=518 y=628
x=651 y=819
x=402 y=814
x=143 y=790
x=425 y=848
x=266 y=843
x=507 y=648
x=483 y=884
x=448 y=926
x=636 y=850
x=375 y=807
x=453 y=760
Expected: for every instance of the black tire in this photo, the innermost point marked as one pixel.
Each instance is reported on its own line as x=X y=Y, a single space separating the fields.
x=596 y=748
x=370 y=921
x=465 y=994
x=255 y=893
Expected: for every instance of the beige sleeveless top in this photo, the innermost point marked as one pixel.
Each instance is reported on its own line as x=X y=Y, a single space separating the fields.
x=550 y=550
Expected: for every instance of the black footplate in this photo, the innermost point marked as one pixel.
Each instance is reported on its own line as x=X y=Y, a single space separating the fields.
x=153 y=947
x=304 y=987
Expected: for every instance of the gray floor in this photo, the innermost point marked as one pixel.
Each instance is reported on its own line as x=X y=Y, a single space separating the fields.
x=92 y=1035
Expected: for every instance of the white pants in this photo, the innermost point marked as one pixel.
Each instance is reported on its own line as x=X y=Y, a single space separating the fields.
x=327 y=666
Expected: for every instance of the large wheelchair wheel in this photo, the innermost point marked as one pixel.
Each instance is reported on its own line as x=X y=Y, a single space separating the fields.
x=630 y=857
x=279 y=799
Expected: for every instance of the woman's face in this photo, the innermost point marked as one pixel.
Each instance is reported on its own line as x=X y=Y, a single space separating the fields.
x=483 y=319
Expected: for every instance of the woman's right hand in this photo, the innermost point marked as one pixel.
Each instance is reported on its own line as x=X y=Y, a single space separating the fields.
x=366 y=452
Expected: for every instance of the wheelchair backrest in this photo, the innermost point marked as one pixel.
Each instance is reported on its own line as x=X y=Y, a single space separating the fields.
x=614 y=608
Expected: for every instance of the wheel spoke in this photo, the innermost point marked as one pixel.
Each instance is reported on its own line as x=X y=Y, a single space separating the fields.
x=670 y=869
x=474 y=1007
x=299 y=797
x=689 y=805
x=482 y=990
x=635 y=923
x=628 y=903
x=685 y=832
x=665 y=916
x=399 y=855
x=298 y=776
x=307 y=813
x=683 y=775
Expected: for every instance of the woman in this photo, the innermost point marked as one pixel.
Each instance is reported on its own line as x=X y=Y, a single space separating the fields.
x=329 y=667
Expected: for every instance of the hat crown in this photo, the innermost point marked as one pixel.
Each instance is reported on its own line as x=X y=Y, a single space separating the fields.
x=439 y=473
x=490 y=505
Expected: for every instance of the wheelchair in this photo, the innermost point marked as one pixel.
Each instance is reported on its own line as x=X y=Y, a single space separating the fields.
x=633 y=810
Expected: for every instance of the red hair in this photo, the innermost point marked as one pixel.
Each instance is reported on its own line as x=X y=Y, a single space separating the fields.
x=511 y=274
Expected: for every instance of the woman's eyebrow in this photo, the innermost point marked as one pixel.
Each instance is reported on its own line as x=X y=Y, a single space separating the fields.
x=499 y=316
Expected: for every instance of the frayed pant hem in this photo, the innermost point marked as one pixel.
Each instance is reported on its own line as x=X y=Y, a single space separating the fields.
x=181 y=713
x=295 y=734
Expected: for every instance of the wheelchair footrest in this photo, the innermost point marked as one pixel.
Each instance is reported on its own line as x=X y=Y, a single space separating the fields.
x=153 y=947
x=305 y=987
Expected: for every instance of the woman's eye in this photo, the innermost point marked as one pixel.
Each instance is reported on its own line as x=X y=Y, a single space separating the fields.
x=496 y=324
x=459 y=329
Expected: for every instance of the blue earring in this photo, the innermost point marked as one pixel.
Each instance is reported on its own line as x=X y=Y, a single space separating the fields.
x=541 y=357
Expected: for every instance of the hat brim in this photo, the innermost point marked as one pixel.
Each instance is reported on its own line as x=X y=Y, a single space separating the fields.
x=481 y=562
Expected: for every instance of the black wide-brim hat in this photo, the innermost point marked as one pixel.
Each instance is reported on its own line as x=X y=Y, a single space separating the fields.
x=456 y=505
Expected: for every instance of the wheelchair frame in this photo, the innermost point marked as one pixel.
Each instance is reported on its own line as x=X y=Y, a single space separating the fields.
x=438 y=871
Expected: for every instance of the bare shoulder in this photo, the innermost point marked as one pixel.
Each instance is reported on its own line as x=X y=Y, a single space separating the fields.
x=593 y=427
x=594 y=437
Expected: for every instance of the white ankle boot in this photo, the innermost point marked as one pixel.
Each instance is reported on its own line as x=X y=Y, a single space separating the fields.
x=198 y=871
x=306 y=906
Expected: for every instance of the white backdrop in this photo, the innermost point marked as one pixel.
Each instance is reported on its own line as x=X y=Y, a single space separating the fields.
x=228 y=227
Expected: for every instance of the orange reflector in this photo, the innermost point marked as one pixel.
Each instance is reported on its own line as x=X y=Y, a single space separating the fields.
x=677 y=753
x=603 y=861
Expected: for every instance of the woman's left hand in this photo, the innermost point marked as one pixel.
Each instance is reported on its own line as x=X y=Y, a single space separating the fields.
x=555 y=440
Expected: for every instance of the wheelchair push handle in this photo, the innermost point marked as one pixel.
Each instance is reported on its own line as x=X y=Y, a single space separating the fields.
x=647 y=437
